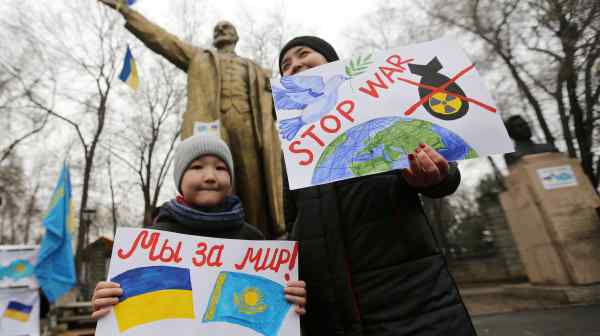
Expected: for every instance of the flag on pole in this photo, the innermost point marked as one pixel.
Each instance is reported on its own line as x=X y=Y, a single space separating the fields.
x=55 y=268
x=121 y=2
x=129 y=73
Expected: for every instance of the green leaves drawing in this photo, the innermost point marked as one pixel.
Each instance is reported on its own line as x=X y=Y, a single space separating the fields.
x=358 y=66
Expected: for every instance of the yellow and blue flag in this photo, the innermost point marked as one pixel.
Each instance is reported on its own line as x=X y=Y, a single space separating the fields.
x=248 y=300
x=153 y=293
x=129 y=73
x=121 y=2
x=17 y=311
x=55 y=268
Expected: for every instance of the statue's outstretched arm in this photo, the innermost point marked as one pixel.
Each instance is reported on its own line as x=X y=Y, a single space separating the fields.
x=154 y=37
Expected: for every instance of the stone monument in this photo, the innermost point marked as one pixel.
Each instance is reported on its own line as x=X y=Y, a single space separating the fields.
x=551 y=209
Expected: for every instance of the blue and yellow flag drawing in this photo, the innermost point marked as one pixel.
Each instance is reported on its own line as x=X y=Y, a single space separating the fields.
x=248 y=300
x=17 y=311
x=153 y=293
x=55 y=268
x=129 y=73
x=18 y=269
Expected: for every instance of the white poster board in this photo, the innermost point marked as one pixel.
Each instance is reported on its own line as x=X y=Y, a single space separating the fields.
x=19 y=312
x=363 y=115
x=189 y=285
x=16 y=266
x=557 y=177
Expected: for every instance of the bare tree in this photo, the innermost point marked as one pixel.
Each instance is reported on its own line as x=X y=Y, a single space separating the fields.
x=149 y=142
x=19 y=74
x=263 y=38
x=551 y=49
x=82 y=44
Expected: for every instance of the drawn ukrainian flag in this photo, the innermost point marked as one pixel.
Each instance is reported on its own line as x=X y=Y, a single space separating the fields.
x=153 y=293
x=248 y=300
x=17 y=311
x=129 y=73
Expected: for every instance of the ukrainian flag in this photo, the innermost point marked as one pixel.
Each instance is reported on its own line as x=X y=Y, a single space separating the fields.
x=248 y=300
x=153 y=293
x=17 y=311
x=129 y=73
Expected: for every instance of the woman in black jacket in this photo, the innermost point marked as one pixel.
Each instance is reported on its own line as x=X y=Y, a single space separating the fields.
x=367 y=253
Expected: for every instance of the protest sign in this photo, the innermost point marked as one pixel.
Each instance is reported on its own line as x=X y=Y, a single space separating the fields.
x=192 y=285
x=19 y=312
x=16 y=266
x=363 y=115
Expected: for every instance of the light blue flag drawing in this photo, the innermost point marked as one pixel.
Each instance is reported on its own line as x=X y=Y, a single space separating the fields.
x=248 y=300
x=55 y=268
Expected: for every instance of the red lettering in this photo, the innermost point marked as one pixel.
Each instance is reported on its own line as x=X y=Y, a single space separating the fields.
x=310 y=133
x=144 y=244
x=284 y=256
x=249 y=257
x=214 y=256
x=372 y=91
x=338 y=124
x=212 y=259
x=163 y=254
x=292 y=147
x=294 y=256
x=346 y=107
x=397 y=62
x=201 y=252
x=387 y=72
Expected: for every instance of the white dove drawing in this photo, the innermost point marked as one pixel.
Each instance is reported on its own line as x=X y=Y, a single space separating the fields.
x=308 y=93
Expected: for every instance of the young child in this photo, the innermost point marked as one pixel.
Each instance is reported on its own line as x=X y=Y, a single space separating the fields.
x=203 y=174
x=366 y=250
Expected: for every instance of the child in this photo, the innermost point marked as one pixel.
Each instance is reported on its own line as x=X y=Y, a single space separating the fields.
x=203 y=174
x=366 y=250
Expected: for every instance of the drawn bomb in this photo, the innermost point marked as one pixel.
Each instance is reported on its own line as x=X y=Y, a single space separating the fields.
x=443 y=105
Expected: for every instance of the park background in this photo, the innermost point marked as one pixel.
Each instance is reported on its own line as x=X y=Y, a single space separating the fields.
x=60 y=99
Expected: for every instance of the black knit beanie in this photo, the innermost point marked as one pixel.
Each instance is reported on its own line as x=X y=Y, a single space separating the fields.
x=317 y=44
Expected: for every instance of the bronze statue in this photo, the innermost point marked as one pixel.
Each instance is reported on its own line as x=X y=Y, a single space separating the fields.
x=234 y=90
x=519 y=130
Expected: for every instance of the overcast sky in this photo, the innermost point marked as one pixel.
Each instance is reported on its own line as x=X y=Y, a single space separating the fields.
x=328 y=19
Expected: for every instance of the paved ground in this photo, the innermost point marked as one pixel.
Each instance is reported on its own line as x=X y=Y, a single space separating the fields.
x=563 y=321
x=490 y=299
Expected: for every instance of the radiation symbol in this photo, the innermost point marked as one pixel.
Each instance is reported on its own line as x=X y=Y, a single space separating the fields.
x=442 y=105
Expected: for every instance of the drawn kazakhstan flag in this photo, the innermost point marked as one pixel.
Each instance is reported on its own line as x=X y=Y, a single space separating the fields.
x=18 y=269
x=247 y=300
x=153 y=293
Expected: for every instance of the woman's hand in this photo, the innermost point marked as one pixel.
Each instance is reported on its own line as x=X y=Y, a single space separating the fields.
x=295 y=293
x=427 y=167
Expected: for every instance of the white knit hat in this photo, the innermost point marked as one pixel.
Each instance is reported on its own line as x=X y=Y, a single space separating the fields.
x=196 y=146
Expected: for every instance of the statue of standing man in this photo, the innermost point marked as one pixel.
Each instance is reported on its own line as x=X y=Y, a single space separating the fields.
x=235 y=91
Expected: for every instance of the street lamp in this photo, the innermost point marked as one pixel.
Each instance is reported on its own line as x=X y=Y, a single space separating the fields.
x=89 y=216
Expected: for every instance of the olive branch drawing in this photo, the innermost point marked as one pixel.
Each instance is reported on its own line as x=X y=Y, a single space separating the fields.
x=358 y=66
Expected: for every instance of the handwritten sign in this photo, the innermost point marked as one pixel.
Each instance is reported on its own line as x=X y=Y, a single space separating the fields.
x=16 y=266
x=363 y=115
x=19 y=312
x=191 y=285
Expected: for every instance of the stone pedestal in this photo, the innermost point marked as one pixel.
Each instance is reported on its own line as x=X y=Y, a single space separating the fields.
x=551 y=206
